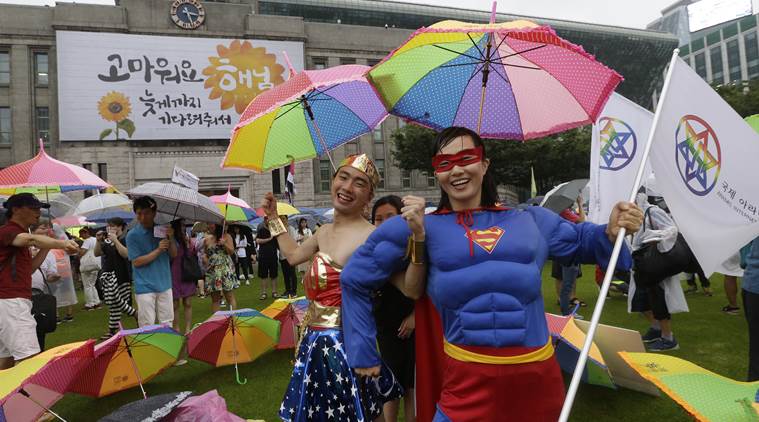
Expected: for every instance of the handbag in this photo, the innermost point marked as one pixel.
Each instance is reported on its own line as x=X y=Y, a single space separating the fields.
x=44 y=307
x=191 y=271
x=89 y=262
x=652 y=266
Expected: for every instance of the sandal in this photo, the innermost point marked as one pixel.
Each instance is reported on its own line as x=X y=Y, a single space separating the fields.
x=262 y=297
x=576 y=301
x=274 y=295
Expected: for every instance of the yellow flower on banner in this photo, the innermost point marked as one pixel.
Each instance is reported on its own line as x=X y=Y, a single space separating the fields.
x=240 y=73
x=114 y=106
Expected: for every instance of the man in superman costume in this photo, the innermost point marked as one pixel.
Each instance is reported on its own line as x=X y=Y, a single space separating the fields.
x=483 y=277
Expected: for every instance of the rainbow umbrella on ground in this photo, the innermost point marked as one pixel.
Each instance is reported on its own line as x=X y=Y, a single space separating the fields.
x=233 y=208
x=30 y=388
x=129 y=358
x=232 y=337
x=515 y=80
x=569 y=339
x=310 y=114
x=705 y=395
x=290 y=313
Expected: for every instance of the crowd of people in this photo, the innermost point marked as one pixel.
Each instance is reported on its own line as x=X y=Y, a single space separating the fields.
x=470 y=272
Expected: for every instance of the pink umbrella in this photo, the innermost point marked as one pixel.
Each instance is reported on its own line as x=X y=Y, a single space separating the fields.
x=233 y=208
x=72 y=221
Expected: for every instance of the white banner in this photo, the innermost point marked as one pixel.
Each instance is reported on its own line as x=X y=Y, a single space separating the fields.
x=704 y=155
x=185 y=178
x=144 y=87
x=618 y=140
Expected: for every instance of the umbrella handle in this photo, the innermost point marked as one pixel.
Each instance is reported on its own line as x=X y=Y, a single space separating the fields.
x=237 y=376
x=234 y=353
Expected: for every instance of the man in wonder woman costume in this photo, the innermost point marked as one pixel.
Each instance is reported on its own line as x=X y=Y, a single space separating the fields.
x=322 y=386
x=483 y=264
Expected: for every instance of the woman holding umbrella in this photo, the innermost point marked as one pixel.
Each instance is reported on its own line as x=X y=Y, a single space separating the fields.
x=483 y=265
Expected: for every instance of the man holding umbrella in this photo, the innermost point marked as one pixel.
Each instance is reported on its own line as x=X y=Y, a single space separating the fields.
x=18 y=335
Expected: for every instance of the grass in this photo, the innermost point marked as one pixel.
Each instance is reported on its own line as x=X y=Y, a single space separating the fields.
x=707 y=337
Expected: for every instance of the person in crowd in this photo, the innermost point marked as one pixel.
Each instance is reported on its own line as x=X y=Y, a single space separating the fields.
x=302 y=234
x=198 y=231
x=321 y=360
x=63 y=289
x=182 y=289
x=750 y=296
x=18 y=330
x=89 y=266
x=731 y=270
x=115 y=277
x=288 y=271
x=242 y=265
x=565 y=276
x=151 y=267
x=46 y=275
x=690 y=278
x=267 y=259
x=483 y=275
x=649 y=296
x=394 y=315
x=220 y=270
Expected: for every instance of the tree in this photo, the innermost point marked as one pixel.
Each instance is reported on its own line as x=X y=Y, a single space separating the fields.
x=742 y=96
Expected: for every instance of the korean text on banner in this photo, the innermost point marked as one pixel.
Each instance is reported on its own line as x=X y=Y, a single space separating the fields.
x=703 y=156
x=616 y=150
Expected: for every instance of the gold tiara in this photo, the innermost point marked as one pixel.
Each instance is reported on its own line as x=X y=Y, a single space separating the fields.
x=363 y=163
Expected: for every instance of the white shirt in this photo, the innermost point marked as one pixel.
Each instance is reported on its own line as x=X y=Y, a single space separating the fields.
x=89 y=243
x=49 y=268
x=242 y=242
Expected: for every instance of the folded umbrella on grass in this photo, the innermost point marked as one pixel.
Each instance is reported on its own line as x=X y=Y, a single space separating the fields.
x=30 y=388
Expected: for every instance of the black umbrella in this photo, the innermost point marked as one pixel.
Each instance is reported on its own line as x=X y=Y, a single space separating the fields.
x=564 y=195
x=153 y=408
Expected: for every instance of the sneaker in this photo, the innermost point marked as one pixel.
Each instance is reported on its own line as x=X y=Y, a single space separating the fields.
x=274 y=295
x=651 y=335
x=262 y=297
x=180 y=362
x=731 y=310
x=578 y=316
x=708 y=292
x=68 y=318
x=58 y=321
x=664 y=345
x=247 y=282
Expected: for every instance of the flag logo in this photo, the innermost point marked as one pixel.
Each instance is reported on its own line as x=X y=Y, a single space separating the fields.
x=618 y=143
x=698 y=154
x=487 y=239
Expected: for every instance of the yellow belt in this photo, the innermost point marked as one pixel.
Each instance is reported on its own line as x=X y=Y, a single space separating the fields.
x=463 y=355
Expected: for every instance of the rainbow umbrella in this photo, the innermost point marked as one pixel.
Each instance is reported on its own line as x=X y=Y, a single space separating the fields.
x=310 y=114
x=233 y=208
x=30 y=388
x=129 y=358
x=290 y=313
x=705 y=395
x=283 y=208
x=568 y=343
x=232 y=337
x=515 y=80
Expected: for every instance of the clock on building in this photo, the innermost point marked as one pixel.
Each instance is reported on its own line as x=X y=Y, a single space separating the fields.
x=187 y=14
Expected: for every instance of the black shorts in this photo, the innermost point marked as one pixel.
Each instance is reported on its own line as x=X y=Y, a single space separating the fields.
x=267 y=267
x=651 y=299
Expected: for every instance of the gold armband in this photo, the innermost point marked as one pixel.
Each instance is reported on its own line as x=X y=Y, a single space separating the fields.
x=415 y=251
x=276 y=227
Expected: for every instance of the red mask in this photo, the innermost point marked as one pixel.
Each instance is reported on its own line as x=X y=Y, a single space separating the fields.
x=445 y=162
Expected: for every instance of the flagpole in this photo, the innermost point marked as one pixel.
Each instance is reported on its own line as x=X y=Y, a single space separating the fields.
x=579 y=368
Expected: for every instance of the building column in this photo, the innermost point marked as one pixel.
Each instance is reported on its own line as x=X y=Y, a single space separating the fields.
x=21 y=103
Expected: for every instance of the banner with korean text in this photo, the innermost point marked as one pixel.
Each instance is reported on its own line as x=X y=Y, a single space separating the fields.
x=143 y=87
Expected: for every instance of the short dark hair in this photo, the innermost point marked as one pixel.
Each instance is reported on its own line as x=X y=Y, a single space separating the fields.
x=84 y=230
x=116 y=221
x=144 y=203
x=393 y=200
x=489 y=196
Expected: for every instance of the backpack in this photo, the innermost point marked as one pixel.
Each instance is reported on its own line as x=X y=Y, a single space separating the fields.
x=44 y=308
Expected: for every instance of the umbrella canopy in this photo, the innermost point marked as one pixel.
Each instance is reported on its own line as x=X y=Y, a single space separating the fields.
x=564 y=195
x=30 y=388
x=310 y=114
x=569 y=340
x=290 y=313
x=515 y=80
x=44 y=171
x=60 y=204
x=102 y=217
x=177 y=201
x=129 y=358
x=100 y=203
x=72 y=221
x=231 y=337
x=233 y=208
x=147 y=409
x=283 y=208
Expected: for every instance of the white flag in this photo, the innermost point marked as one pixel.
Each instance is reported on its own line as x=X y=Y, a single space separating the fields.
x=618 y=139
x=704 y=155
x=185 y=178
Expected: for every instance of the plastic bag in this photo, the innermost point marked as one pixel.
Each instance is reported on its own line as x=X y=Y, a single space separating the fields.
x=209 y=407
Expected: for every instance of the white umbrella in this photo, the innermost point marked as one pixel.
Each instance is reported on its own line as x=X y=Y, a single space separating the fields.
x=103 y=202
x=177 y=201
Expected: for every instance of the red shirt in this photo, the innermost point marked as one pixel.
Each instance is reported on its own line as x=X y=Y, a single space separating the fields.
x=21 y=285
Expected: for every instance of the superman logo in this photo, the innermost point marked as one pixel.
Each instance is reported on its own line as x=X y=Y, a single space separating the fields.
x=487 y=239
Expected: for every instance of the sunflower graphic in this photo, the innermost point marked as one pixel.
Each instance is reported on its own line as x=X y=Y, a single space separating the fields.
x=240 y=72
x=115 y=107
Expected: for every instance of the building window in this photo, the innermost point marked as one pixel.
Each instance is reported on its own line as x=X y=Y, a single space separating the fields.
x=431 y=179
x=5 y=125
x=43 y=124
x=347 y=60
x=377 y=134
x=351 y=148
x=379 y=150
x=5 y=68
x=380 y=163
x=405 y=178
x=88 y=167
x=319 y=62
x=41 y=68
x=372 y=62
x=401 y=123
x=734 y=60
x=276 y=183
x=700 y=62
x=715 y=57
x=103 y=171
x=752 y=54
x=325 y=176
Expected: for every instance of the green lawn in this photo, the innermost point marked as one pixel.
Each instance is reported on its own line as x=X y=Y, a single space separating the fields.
x=707 y=337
